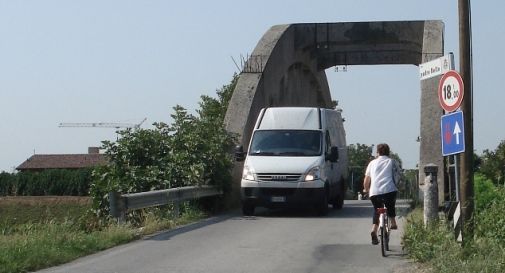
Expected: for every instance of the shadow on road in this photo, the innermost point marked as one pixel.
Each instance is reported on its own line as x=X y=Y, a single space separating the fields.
x=166 y=235
x=355 y=258
x=352 y=209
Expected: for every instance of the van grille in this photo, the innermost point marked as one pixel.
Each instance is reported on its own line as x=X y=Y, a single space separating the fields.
x=288 y=177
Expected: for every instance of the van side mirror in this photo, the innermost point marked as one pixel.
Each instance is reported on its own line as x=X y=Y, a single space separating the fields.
x=332 y=156
x=239 y=153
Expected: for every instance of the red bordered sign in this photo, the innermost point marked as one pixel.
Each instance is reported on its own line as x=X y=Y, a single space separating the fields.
x=451 y=91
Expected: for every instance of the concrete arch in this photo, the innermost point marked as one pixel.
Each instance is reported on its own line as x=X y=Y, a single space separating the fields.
x=276 y=74
x=287 y=68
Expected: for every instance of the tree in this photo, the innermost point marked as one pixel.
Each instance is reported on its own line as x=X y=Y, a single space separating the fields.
x=359 y=157
x=492 y=164
x=411 y=190
x=396 y=157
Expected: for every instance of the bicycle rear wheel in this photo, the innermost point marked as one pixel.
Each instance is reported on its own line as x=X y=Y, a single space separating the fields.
x=386 y=232
x=383 y=241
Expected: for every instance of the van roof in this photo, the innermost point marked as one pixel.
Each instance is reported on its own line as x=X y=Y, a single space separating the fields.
x=300 y=118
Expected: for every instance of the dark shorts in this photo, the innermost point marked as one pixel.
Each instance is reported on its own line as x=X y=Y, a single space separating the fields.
x=378 y=201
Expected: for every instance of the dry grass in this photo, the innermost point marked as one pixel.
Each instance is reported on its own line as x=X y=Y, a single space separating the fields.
x=40 y=209
x=44 y=200
x=413 y=267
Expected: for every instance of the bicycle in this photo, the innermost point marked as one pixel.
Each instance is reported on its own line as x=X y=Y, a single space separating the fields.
x=384 y=230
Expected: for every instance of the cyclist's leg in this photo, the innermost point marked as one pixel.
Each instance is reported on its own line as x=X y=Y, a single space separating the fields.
x=390 y=202
x=377 y=203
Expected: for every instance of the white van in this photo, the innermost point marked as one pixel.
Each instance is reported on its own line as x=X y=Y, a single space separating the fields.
x=297 y=156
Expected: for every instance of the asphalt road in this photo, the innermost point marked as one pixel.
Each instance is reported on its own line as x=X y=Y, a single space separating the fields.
x=272 y=241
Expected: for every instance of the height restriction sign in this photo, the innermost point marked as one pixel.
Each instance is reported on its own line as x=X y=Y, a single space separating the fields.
x=450 y=91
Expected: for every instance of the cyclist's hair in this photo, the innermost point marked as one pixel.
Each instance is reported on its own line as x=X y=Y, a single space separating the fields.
x=383 y=149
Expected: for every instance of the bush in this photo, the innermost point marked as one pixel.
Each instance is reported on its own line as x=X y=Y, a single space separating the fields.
x=193 y=150
x=489 y=216
x=486 y=193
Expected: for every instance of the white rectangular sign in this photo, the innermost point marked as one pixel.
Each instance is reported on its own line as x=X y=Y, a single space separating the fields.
x=436 y=67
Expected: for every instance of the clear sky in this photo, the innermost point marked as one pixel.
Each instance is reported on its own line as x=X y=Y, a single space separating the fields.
x=123 y=61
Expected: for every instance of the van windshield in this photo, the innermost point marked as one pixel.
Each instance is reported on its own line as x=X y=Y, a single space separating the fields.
x=286 y=143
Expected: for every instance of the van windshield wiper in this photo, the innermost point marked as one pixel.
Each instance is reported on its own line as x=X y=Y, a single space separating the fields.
x=292 y=153
x=262 y=153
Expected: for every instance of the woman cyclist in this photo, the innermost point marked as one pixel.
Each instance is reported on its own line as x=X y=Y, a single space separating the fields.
x=380 y=185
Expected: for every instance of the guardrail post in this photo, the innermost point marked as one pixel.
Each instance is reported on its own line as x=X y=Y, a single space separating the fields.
x=430 y=194
x=177 y=209
x=117 y=206
x=177 y=202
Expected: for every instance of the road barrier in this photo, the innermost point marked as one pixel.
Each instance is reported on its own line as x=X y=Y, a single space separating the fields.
x=120 y=204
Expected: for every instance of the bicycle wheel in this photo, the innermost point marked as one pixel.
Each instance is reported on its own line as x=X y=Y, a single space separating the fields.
x=386 y=233
x=383 y=233
x=383 y=241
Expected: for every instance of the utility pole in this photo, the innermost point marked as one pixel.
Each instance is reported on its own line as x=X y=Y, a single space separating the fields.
x=466 y=171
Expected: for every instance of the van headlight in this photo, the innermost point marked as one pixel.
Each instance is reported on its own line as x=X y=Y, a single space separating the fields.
x=313 y=174
x=248 y=173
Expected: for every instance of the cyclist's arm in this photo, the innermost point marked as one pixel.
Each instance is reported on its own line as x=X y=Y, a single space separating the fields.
x=366 y=183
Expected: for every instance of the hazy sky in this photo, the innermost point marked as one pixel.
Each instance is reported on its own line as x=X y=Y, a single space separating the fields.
x=123 y=61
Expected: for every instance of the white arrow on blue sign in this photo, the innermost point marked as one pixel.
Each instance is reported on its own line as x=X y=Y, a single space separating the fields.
x=453 y=133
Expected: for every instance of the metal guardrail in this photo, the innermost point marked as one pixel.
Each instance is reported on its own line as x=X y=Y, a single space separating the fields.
x=120 y=204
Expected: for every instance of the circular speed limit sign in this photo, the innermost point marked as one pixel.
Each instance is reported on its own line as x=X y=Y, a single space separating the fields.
x=450 y=91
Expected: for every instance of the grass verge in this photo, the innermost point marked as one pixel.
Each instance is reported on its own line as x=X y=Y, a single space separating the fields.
x=37 y=246
x=41 y=234
x=436 y=246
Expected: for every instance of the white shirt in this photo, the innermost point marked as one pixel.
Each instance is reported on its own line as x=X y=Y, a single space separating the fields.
x=380 y=171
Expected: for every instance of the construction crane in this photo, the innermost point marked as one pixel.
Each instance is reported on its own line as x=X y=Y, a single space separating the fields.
x=116 y=125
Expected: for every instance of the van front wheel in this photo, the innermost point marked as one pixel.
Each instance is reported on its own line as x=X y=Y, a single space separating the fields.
x=247 y=209
x=322 y=207
x=338 y=203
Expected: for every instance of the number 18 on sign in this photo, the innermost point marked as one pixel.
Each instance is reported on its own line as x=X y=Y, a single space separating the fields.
x=450 y=91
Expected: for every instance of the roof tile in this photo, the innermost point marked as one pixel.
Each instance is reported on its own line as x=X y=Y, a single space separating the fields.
x=63 y=161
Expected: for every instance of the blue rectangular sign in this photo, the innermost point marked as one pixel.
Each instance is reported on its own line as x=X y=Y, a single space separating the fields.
x=453 y=133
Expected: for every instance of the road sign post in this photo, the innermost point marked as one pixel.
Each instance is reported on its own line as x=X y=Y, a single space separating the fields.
x=465 y=64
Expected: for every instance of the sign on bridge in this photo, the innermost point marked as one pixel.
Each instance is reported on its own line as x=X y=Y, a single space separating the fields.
x=436 y=67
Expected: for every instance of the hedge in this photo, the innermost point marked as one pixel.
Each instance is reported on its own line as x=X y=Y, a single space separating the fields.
x=47 y=182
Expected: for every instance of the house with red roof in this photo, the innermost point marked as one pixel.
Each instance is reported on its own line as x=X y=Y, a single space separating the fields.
x=40 y=162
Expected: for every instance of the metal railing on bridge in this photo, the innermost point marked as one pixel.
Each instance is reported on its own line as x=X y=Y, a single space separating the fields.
x=120 y=204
